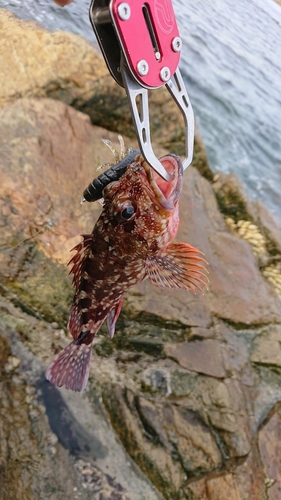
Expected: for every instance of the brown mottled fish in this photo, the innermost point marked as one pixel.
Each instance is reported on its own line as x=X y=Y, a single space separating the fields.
x=131 y=241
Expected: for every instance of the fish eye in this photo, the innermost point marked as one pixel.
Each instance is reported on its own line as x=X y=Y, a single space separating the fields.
x=127 y=211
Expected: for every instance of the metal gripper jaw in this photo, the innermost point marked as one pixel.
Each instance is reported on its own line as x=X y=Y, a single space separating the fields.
x=141 y=46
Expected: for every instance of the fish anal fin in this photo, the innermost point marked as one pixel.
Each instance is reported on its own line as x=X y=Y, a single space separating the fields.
x=71 y=367
x=112 y=318
x=74 y=322
x=178 y=266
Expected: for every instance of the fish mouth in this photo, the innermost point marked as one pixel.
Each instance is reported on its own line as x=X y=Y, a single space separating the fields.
x=164 y=193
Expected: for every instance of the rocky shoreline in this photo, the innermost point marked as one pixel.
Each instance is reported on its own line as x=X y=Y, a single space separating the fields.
x=184 y=402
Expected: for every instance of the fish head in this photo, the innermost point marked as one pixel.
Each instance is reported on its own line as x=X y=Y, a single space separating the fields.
x=143 y=204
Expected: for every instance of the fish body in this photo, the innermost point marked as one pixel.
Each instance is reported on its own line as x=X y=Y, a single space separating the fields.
x=131 y=241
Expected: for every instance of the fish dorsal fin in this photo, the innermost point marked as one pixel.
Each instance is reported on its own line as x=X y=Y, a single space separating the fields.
x=77 y=262
x=178 y=266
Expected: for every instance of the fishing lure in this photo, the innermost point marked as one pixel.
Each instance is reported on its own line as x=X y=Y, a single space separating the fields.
x=95 y=189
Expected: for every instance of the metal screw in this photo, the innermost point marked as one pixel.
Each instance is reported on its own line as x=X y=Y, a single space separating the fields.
x=165 y=74
x=124 y=11
x=176 y=44
x=142 y=67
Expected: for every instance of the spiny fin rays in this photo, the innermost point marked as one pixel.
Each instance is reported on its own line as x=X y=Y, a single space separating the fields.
x=178 y=266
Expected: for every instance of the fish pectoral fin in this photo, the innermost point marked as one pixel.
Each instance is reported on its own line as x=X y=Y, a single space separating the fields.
x=112 y=318
x=178 y=266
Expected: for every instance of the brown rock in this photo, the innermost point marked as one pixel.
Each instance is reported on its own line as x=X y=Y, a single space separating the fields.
x=49 y=154
x=270 y=452
x=186 y=308
x=235 y=353
x=249 y=477
x=24 y=441
x=223 y=405
x=50 y=437
x=270 y=222
x=179 y=428
x=64 y=66
x=266 y=348
x=37 y=63
x=222 y=488
x=166 y=415
x=237 y=290
x=167 y=442
x=246 y=483
x=199 y=356
x=198 y=333
x=231 y=196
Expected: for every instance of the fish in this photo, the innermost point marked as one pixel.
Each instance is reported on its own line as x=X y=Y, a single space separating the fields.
x=131 y=241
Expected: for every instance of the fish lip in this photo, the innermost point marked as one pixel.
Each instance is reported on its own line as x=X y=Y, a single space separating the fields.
x=164 y=203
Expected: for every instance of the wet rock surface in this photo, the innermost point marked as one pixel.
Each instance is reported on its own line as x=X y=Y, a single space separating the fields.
x=184 y=402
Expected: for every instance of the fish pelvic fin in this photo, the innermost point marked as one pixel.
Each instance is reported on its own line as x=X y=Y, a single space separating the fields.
x=178 y=266
x=71 y=367
x=113 y=317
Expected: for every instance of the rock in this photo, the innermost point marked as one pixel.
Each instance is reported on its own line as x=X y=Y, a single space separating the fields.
x=169 y=443
x=38 y=63
x=66 y=67
x=270 y=451
x=54 y=444
x=231 y=196
x=238 y=292
x=266 y=348
x=270 y=222
x=23 y=442
x=179 y=417
x=238 y=485
x=219 y=488
x=179 y=403
x=254 y=223
x=40 y=177
x=31 y=166
x=250 y=478
x=182 y=382
x=199 y=356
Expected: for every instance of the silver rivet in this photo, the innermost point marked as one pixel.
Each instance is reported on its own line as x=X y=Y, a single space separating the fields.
x=165 y=74
x=157 y=56
x=124 y=11
x=176 y=44
x=142 y=67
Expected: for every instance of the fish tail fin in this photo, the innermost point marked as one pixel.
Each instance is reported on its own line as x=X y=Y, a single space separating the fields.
x=71 y=367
